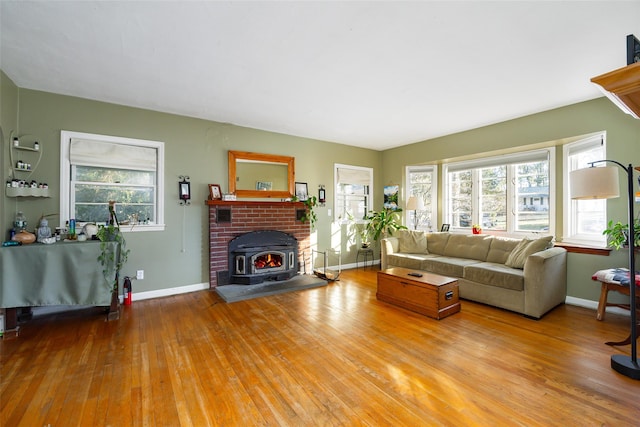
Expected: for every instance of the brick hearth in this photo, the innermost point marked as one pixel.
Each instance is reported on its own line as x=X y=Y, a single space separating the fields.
x=249 y=216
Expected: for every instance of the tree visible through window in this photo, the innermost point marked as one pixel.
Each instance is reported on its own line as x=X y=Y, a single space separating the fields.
x=133 y=191
x=422 y=183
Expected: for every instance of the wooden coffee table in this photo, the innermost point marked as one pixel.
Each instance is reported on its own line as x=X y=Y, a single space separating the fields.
x=429 y=294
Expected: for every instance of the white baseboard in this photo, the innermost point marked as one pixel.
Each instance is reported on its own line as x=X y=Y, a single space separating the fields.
x=349 y=266
x=587 y=303
x=139 y=296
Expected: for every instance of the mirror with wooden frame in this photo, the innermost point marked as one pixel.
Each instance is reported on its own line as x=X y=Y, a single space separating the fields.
x=257 y=175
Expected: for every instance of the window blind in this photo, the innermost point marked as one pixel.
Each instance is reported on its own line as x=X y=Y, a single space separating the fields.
x=529 y=156
x=353 y=176
x=87 y=152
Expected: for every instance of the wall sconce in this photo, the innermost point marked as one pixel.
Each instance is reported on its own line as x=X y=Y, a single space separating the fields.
x=322 y=195
x=184 y=190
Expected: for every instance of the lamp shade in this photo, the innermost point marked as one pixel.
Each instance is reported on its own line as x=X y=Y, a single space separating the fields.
x=415 y=203
x=594 y=183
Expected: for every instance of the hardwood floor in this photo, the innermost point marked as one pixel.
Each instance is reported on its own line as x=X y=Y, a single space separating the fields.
x=326 y=356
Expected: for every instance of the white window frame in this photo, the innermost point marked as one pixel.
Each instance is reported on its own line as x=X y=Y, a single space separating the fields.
x=65 y=175
x=433 y=170
x=340 y=216
x=569 y=221
x=509 y=160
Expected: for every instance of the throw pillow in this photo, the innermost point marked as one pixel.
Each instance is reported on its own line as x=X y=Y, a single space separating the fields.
x=526 y=247
x=413 y=242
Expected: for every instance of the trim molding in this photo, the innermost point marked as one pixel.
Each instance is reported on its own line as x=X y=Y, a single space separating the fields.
x=139 y=296
x=587 y=303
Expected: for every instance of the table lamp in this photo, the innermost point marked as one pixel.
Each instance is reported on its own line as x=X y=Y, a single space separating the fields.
x=415 y=204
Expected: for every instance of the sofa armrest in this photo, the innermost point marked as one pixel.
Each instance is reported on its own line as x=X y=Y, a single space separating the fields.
x=545 y=281
x=388 y=246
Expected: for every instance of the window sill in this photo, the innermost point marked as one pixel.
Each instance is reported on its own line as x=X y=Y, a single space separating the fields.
x=582 y=249
x=128 y=228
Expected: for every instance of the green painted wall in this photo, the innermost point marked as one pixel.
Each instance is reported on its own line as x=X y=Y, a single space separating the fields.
x=546 y=128
x=198 y=148
x=193 y=147
x=8 y=123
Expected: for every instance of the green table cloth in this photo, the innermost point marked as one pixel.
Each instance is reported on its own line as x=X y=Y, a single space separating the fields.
x=63 y=273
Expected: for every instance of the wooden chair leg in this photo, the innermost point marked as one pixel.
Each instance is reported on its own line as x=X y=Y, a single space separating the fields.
x=602 y=304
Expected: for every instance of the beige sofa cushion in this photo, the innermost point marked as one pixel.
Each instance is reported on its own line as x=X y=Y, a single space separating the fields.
x=468 y=246
x=412 y=242
x=437 y=242
x=500 y=249
x=527 y=247
x=412 y=261
x=451 y=267
x=498 y=275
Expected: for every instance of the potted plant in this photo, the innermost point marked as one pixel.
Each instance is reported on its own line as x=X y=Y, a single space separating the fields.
x=383 y=223
x=618 y=234
x=109 y=258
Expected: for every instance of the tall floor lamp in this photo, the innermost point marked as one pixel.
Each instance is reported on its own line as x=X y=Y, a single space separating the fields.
x=415 y=204
x=602 y=183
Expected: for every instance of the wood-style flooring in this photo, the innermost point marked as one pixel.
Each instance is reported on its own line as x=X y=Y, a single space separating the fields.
x=326 y=356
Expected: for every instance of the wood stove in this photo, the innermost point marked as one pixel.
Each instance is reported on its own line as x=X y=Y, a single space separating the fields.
x=262 y=255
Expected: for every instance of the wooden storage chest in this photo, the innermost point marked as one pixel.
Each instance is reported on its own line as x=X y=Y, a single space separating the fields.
x=431 y=294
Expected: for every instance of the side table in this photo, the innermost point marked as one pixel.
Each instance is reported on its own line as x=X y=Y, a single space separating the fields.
x=366 y=254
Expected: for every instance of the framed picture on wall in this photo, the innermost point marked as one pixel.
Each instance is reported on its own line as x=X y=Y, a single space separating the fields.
x=214 y=192
x=391 y=196
x=302 y=191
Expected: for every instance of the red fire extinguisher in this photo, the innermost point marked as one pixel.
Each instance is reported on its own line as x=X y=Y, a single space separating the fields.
x=126 y=288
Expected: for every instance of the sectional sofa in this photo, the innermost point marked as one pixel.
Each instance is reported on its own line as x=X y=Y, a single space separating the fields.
x=528 y=276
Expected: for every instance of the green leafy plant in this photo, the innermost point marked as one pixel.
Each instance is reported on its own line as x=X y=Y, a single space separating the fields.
x=109 y=257
x=310 y=214
x=618 y=234
x=384 y=223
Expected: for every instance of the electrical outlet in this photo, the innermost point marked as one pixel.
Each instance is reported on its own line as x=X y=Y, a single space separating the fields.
x=140 y=274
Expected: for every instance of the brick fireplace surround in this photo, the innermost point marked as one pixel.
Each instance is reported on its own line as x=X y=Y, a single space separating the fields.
x=246 y=216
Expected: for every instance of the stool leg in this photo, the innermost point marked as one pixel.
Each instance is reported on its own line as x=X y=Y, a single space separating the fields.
x=602 y=304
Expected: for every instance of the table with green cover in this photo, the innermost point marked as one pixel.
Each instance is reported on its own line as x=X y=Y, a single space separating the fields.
x=63 y=273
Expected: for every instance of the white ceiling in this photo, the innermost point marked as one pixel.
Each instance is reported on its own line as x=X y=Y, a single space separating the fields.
x=368 y=74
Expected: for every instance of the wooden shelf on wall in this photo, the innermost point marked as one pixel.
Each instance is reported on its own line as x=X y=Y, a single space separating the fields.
x=243 y=202
x=622 y=86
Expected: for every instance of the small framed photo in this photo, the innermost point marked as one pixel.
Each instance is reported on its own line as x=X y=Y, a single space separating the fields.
x=214 y=192
x=302 y=191
x=445 y=227
x=264 y=186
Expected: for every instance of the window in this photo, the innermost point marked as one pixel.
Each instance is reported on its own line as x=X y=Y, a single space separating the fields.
x=95 y=169
x=584 y=220
x=354 y=185
x=504 y=194
x=422 y=183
